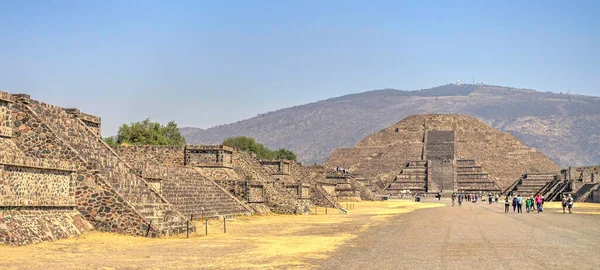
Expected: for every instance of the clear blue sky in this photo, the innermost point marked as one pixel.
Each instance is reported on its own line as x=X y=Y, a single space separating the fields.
x=204 y=63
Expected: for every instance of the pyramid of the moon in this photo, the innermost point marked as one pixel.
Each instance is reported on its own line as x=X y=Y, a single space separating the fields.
x=442 y=153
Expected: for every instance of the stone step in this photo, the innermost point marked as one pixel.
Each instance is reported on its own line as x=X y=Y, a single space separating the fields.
x=417 y=163
x=476 y=169
x=414 y=170
x=411 y=176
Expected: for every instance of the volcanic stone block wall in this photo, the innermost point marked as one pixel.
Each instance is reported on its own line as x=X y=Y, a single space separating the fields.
x=107 y=210
x=5 y=113
x=22 y=186
x=208 y=155
x=276 y=166
x=164 y=155
x=256 y=192
x=35 y=139
x=110 y=168
x=218 y=173
x=19 y=226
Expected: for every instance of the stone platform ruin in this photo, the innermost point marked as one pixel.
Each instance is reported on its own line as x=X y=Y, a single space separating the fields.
x=262 y=186
x=59 y=179
x=442 y=153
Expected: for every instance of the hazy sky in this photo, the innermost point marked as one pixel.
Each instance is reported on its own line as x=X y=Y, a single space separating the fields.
x=204 y=63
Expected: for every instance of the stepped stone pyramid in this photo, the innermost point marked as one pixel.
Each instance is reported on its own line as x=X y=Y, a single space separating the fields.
x=259 y=186
x=187 y=189
x=442 y=153
x=59 y=179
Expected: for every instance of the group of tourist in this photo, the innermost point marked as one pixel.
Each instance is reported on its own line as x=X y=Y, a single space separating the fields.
x=342 y=170
x=534 y=203
x=530 y=203
x=472 y=197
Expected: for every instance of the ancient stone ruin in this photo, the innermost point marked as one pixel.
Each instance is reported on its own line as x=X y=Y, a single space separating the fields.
x=261 y=186
x=59 y=179
x=581 y=182
x=442 y=153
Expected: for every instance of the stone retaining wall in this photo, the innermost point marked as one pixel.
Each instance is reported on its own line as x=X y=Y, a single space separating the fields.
x=163 y=155
x=22 y=186
x=22 y=226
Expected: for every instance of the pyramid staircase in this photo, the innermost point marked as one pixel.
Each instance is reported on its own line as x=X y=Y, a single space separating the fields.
x=531 y=184
x=470 y=178
x=584 y=192
x=110 y=167
x=318 y=193
x=194 y=195
x=557 y=191
x=277 y=197
x=412 y=178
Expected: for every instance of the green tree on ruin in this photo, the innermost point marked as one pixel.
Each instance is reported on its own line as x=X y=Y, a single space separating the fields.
x=285 y=154
x=248 y=144
x=149 y=133
x=111 y=141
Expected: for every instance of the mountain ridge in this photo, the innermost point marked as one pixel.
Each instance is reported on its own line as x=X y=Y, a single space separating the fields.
x=314 y=130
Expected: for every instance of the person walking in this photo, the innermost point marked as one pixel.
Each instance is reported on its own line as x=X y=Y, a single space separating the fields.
x=538 y=202
x=565 y=201
x=543 y=199
x=497 y=197
x=491 y=198
x=528 y=205
x=570 y=204
x=506 y=204
x=453 y=198
x=460 y=199
x=514 y=204
x=519 y=204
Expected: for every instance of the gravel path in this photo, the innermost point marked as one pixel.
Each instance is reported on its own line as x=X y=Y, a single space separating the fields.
x=474 y=236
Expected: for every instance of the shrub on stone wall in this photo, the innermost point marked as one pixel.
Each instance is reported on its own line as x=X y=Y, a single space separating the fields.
x=149 y=133
x=248 y=144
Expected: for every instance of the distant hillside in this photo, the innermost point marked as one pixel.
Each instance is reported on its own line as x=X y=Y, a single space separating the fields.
x=564 y=127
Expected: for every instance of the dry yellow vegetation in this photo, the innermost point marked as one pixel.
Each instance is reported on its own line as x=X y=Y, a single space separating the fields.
x=257 y=242
x=578 y=207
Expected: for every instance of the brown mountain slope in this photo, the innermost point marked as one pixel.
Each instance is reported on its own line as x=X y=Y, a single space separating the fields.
x=564 y=127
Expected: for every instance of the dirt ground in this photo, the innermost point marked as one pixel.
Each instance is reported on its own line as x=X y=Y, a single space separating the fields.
x=262 y=242
x=476 y=236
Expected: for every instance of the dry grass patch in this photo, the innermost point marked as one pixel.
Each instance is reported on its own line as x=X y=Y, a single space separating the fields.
x=274 y=241
x=578 y=207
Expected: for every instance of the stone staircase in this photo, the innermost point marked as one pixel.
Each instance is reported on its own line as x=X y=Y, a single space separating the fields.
x=412 y=178
x=532 y=183
x=470 y=178
x=277 y=197
x=555 y=194
x=584 y=192
x=100 y=157
x=193 y=194
x=439 y=145
x=549 y=188
x=317 y=191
